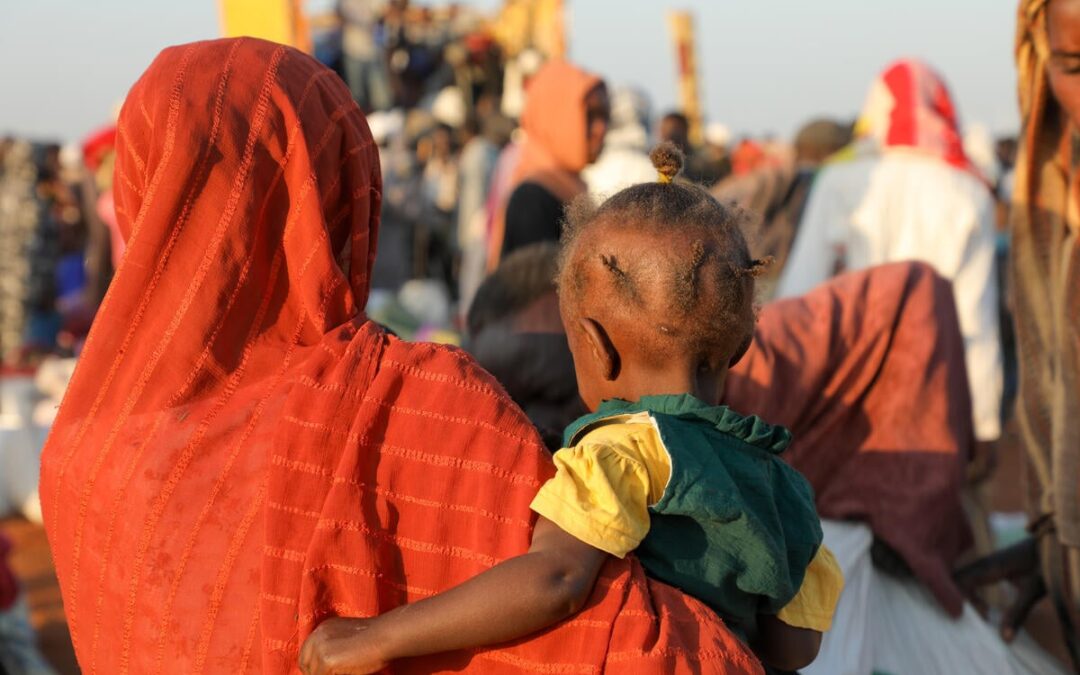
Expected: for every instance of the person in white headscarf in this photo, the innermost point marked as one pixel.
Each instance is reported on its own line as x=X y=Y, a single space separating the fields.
x=625 y=158
x=906 y=190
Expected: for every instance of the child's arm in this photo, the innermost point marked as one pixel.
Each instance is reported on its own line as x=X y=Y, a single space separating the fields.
x=782 y=646
x=511 y=600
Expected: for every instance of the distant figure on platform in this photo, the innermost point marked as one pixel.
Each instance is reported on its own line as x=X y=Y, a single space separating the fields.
x=625 y=159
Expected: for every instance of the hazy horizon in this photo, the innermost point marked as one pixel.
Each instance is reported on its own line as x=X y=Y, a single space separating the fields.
x=766 y=66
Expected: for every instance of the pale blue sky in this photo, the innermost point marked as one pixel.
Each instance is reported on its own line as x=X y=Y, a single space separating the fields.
x=767 y=65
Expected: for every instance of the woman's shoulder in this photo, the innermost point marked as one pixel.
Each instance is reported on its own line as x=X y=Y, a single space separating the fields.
x=448 y=382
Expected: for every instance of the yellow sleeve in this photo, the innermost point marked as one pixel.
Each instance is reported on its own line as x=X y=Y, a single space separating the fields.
x=814 y=604
x=602 y=489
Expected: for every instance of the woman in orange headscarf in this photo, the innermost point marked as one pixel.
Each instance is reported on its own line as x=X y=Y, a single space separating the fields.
x=242 y=454
x=565 y=120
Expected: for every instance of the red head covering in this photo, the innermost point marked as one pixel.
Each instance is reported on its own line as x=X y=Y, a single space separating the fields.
x=241 y=453
x=909 y=106
x=97 y=145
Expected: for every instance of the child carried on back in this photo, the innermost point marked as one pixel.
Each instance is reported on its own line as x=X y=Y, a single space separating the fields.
x=656 y=289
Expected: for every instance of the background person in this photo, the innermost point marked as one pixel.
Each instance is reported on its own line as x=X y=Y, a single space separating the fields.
x=906 y=191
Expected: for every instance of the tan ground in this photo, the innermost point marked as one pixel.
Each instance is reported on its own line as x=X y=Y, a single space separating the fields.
x=33 y=565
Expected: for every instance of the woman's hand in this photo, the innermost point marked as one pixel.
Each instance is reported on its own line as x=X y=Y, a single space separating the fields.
x=341 y=646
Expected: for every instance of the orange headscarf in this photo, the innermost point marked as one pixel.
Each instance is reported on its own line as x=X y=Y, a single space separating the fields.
x=556 y=148
x=241 y=453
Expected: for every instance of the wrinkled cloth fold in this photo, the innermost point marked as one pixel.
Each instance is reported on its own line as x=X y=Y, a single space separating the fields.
x=867 y=371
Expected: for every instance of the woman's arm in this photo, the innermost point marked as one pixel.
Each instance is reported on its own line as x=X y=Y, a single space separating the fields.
x=511 y=600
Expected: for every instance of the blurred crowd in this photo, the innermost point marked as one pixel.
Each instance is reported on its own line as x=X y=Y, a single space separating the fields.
x=445 y=99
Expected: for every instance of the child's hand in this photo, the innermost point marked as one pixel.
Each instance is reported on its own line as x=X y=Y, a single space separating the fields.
x=342 y=646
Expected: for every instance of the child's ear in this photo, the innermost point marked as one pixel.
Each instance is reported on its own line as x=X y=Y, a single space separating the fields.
x=603 y=350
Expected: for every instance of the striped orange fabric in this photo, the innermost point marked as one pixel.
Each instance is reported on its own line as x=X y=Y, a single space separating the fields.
x=242 y=454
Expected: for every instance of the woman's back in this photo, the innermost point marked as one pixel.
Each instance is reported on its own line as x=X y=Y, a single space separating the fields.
x=241 y=453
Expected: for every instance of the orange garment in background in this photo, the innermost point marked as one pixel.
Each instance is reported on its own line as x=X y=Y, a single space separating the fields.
x=241 y=453
x=747 y=157
x=867 y=371
x=555 y=149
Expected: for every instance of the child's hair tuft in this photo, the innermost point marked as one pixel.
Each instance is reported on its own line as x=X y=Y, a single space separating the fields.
x=709 y=286
x=668 y=161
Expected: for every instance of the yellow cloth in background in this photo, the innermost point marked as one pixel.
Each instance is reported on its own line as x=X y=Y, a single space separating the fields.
x=605 y=483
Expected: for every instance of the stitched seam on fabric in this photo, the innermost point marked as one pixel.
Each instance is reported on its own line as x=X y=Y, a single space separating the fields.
x=386 y=493
x=249 y=642
x=432 y=503
x=122 y=140
x=671 y=460
x=461 y=463
x=150 y=525
x=502 y=656
x=121 y=494
x=407 y=542
x=224 y=572
x=585 y=623
x=212 y=616
x=324 y=197
x=666 y=615
x=126 y=180
x=279 y=599
x=446 y=379
x=283 y=554
x=145 y=113
x=292 y=510
x=290 y=147
x=418 y=455
x=669 y=652
x=465 y=421
x=276 y=645
x=170 y=138
x=377 y=576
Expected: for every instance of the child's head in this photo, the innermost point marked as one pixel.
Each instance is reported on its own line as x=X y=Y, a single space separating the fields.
x=656 y=289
